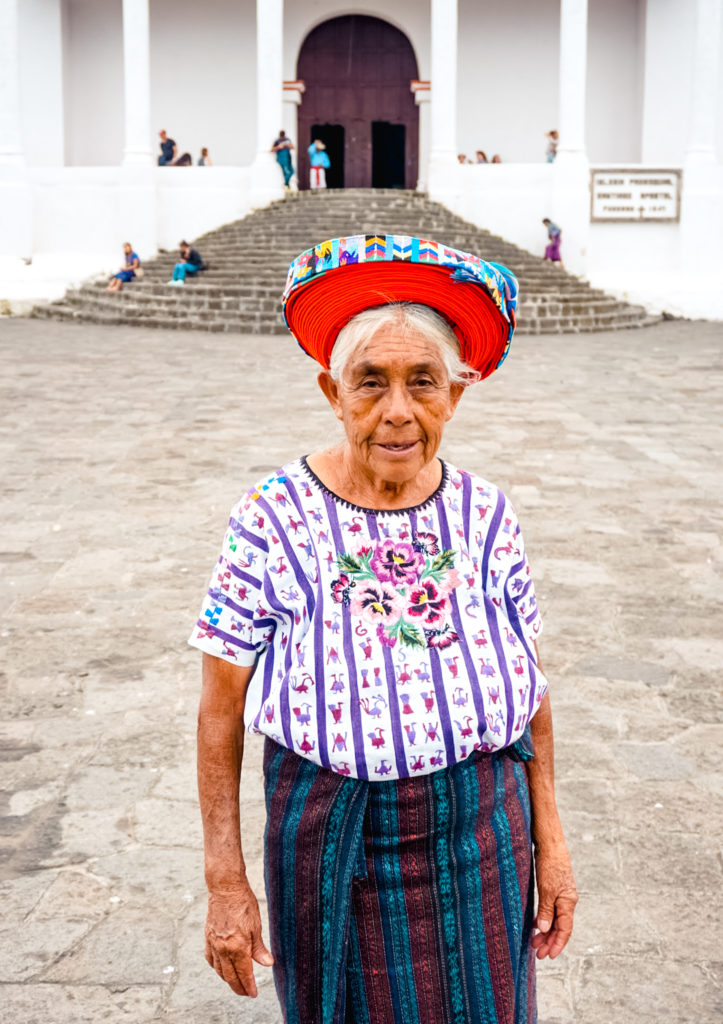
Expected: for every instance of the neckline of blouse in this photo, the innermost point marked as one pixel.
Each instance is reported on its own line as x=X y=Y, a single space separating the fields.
x=377 y=511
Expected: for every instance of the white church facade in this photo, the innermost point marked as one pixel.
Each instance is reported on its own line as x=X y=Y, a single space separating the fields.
x=398 y=90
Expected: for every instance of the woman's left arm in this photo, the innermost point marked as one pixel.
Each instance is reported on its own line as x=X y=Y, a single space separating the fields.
x=556 y=892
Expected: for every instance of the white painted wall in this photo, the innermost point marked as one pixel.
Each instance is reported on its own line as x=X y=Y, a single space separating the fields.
x=719 y=149
x=615 y=53
x=41 y=82
x=670 y=33
x=507 y=78
x=93 y=74
x=199 y=200
x=509 y=200
x=203 y=76
x=77 y=212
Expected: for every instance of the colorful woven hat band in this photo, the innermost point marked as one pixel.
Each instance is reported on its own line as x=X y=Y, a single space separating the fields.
x=329 y=284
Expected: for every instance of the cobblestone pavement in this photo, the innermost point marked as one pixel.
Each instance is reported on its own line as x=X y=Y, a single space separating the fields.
x=123 y=451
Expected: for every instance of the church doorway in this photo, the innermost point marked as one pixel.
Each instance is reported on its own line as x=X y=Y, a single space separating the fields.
x=357 y=72
x=388 y=146
x=332 y=135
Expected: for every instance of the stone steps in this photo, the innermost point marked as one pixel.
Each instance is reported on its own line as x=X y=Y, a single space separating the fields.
x=545 y=321
x=203 y=298
x=249 y=260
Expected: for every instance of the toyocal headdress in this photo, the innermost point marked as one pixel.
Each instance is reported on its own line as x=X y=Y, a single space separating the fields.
x=332 y=282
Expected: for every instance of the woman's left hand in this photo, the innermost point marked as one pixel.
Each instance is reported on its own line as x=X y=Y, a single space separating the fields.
x=556 y=900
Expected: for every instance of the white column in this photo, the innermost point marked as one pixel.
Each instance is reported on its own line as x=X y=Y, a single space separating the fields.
x=11 y=147
x=16 y=213
x=137 y=82
x=701 y=213
x=137 y=191
x=266 y=179
x=292 y=96
x=571 y=172
x=443 y=114
x=422 y=97
x=704 y=98
x=573 y=76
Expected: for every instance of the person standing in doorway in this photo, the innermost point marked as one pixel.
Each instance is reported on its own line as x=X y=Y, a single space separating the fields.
x=320 y=163
x=282 y=148
x=552 y=249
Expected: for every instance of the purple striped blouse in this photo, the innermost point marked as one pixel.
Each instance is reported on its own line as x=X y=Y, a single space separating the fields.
x=387 y=643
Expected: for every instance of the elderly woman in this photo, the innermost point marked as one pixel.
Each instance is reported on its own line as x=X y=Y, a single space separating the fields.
x=372 y=614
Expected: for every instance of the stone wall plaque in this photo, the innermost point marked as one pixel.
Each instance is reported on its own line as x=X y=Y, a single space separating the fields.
x=634 y=195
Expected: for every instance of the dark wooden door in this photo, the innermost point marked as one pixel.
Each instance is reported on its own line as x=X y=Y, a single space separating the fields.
x=357 y=70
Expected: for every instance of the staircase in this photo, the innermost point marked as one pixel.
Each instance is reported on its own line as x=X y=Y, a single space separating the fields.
x=248 y=260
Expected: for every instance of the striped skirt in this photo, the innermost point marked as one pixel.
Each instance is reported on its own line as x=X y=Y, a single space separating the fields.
x=401 y=902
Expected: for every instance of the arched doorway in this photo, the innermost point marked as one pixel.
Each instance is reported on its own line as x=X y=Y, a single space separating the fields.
x=357 y=73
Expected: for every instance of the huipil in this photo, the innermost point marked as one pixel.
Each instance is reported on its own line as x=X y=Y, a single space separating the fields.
x=387 y=644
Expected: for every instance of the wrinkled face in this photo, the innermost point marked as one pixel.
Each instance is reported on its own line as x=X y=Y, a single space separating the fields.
x=393 y=399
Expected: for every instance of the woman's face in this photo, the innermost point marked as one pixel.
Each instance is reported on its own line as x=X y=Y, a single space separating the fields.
x=393 y=399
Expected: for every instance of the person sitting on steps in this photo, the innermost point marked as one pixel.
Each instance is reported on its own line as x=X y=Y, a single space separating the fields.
x=169 y=153
x=128 y=271
x=190 y=263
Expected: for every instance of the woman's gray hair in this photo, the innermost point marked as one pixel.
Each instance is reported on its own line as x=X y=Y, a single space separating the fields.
x=413 y=316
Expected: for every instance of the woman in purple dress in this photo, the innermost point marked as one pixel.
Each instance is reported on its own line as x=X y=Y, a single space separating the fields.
x=554 y=235
x=373 y=616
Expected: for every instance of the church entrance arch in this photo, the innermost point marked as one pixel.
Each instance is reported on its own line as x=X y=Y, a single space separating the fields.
x=357 y=72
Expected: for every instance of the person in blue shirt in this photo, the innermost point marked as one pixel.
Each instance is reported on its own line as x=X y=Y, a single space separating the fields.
x=319 y=160
x=127 y=272
x=282 y=148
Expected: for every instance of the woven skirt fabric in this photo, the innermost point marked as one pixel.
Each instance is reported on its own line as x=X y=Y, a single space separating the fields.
x=401 y=902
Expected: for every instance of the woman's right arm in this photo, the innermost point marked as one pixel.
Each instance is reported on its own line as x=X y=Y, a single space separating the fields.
x=233 y=924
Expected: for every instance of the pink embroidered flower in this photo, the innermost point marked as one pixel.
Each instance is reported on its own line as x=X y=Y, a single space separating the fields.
x=384 y=637
x=340 y=589
x=450 y=582
x=396 y=562
x=376 y=602
x=427 y=602
x=441 y=638
x=427 y=543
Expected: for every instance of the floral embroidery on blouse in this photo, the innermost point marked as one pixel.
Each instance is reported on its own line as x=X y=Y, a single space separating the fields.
x=400 y=589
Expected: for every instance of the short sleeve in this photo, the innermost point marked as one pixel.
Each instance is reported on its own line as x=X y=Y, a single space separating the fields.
x=233 y=624
x=516 y=581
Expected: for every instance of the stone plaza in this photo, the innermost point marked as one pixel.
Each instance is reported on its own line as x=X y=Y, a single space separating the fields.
x=123 y=450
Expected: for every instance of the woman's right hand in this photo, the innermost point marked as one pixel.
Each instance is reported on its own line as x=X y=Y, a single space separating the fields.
x=233 y=938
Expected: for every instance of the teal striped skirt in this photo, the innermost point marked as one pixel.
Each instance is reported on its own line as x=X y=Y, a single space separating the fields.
x=401 y=902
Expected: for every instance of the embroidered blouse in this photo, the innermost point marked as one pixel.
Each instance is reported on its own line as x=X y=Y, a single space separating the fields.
x=387 y=643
